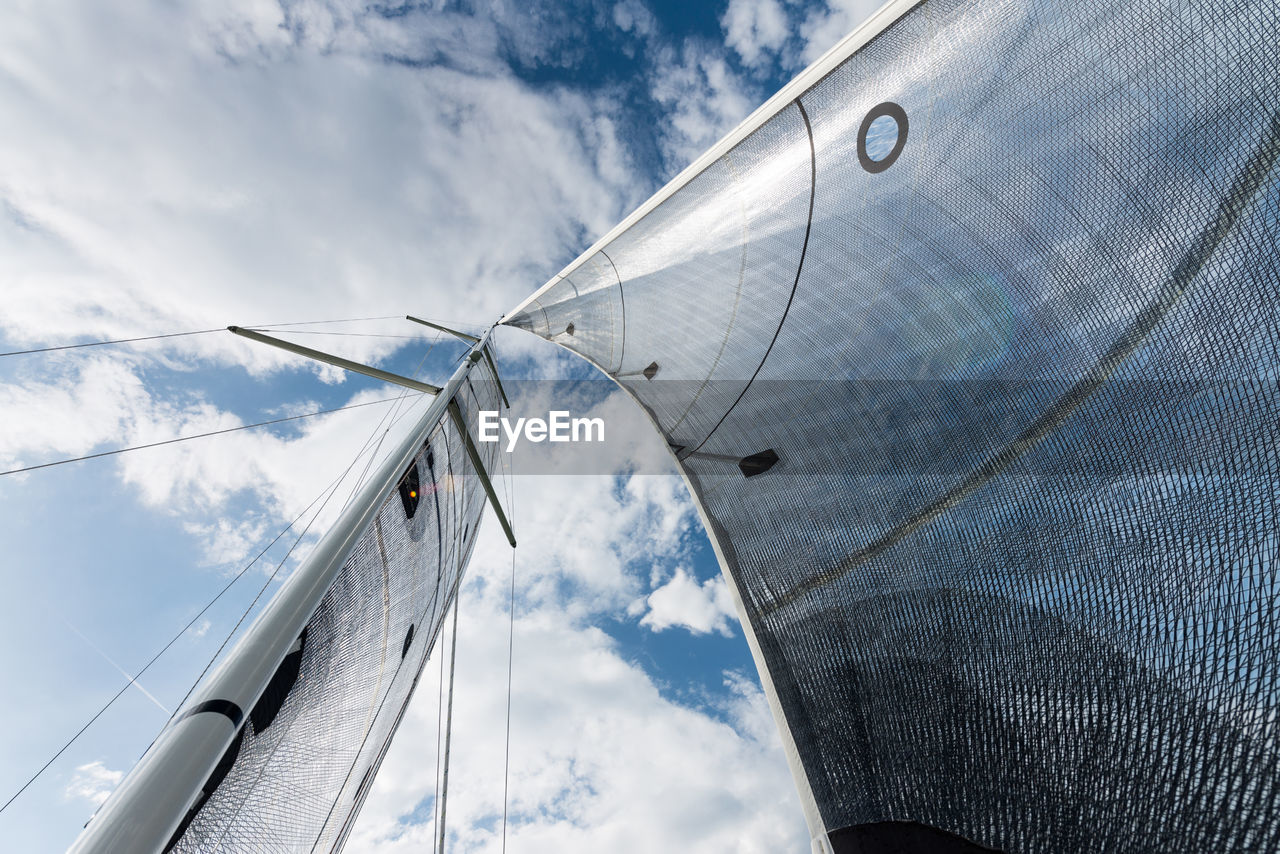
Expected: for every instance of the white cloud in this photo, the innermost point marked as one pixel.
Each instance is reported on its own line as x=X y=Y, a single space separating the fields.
x=303 y=178
x=101 y=404
x=684 y=603
x=825 y=25
x=634 y=16
x=242 y=29
x=93 y=782
x=755 y=28
x=229 y=542
x=703 y=98
x=182 y=167
x=601 y=758
x=68 y=411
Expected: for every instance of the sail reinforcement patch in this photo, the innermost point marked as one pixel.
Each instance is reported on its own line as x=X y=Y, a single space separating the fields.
x=882 y=136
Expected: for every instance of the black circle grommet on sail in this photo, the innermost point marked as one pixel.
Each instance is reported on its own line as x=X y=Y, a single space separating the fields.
x=899 y=116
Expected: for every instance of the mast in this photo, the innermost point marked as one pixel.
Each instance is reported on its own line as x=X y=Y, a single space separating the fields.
x=199 y=742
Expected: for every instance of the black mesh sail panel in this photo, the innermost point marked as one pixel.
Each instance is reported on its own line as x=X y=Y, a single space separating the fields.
x=297 y=774
x=970 y=353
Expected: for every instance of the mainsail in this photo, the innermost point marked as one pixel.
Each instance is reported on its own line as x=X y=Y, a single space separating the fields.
x=277 y=750
x=967 y=345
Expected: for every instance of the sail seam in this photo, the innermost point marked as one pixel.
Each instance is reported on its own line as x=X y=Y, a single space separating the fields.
x=804 y=249
x=1241 y=195
x=622 y=297
x=737 y=294
x=348 y=822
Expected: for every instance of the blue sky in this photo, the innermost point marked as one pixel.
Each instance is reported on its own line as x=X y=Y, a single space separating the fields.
x=167 y=169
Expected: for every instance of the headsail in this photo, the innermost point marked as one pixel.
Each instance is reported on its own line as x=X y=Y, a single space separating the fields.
x=967 y=346
x=278 y=749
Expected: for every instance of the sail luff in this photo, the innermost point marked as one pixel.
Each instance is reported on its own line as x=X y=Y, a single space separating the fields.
x=149 y=805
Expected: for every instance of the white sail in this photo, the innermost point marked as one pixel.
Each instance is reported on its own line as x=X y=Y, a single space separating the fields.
x=966 y=344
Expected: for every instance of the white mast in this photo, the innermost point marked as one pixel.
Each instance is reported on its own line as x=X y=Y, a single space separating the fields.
x=145 y=810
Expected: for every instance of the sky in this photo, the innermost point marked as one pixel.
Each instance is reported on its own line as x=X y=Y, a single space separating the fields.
x=182 y=167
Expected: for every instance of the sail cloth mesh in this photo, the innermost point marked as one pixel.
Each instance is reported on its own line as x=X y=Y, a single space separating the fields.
x=983 y=412
x=308 y=752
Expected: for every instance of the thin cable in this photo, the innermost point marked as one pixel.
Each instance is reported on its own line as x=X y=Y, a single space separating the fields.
x=157 y=656
x=435 y=798
x=448 y=727
x=332 y=490
x=391 y=413
x=183 y=334
x=359 y=481
x=261 y=590
x=319 y=322
x=455 y=558
x=460 y=325
x=511 y=640
x=196 y=436
x=114 y=341
x=328 y=494
x=510 y=481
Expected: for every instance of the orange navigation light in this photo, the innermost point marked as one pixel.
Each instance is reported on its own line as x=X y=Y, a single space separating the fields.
x=410 y=484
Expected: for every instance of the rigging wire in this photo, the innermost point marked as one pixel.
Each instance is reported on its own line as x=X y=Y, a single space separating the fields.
x=454 y=514
x=184 y=334
x=263 y=589
x=113 y=341
x=320 y=322
x=331 y=490
x=456 y=557
x=326 y=493
x=448 y=728
x=162 y=651
x=509 y=490
x=196 y=436
x=435 y=798
x=391 y=413
x=511 y=638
